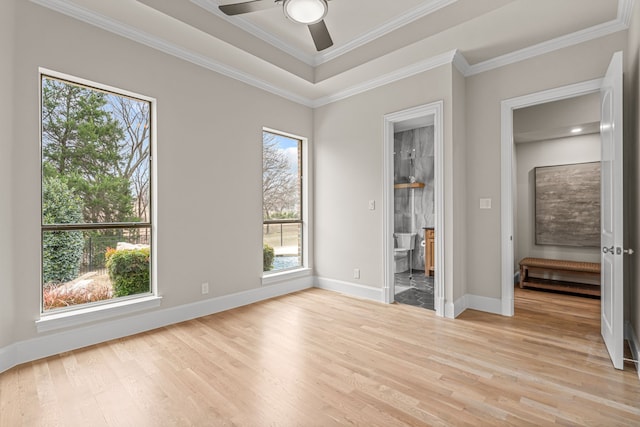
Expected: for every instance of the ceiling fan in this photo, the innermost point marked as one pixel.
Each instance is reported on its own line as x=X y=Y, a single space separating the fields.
x=309 y=12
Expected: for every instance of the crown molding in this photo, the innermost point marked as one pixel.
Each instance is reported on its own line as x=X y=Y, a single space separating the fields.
x=621 y=23
x=402 y=73
x=625 y=11
x=460 y=62
x=68 y=8
x=212 y=7
x=455 y=57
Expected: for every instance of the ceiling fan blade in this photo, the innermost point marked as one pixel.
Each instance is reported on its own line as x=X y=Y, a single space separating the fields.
x=320 y=35
x=246 y=7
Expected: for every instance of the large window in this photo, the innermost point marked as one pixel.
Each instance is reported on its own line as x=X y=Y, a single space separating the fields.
x=96 y=193
x=282 y=209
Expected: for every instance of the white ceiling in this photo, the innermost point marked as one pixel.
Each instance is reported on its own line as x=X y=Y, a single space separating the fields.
x=558 y=119
x=375 y=41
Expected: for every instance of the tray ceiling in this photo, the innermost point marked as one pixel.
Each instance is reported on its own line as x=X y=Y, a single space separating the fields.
x=375 y=41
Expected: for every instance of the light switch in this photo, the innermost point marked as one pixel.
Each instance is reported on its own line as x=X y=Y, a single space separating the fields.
x=372 y=205
x=485 y=203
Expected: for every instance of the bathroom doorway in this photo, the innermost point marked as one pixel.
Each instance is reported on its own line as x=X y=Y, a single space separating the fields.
x=413 y=182
x=413 y=212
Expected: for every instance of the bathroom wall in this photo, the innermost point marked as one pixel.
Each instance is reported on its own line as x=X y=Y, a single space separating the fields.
x=420 y=140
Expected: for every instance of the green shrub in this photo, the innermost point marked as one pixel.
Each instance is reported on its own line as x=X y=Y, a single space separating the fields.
x=267 y=258
x=129 y=271
x=61 y=250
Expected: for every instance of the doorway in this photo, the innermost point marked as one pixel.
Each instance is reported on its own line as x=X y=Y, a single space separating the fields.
x=413 y=212
x=406 y=234
x=508 y=191
x=612 y=188
x=557 y=153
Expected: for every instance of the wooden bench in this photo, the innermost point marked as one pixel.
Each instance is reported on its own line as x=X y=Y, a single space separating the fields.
x=542 y=266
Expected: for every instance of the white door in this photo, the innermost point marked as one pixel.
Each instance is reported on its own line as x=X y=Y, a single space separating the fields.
x=611 y=323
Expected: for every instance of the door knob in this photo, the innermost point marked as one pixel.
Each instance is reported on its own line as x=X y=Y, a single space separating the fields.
x=609 y=250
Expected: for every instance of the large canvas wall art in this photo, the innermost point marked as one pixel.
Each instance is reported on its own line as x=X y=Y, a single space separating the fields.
x=567 y=204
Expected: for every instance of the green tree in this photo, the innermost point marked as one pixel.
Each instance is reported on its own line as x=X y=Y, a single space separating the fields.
x=61 y=250
x=81 y=145
x=135 y=118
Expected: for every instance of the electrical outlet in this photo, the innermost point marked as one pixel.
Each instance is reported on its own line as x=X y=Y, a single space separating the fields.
x=356 y=273
x=372 y=205
x=205 y=288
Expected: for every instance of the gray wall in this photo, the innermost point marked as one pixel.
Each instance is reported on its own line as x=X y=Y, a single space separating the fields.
x=209 y=155
x=349 y=172
x=455 y=220
x=485 y=92
x=7 y=303
x=349 y=155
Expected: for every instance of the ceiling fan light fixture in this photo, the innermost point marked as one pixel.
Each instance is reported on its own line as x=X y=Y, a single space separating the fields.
x=305 y=11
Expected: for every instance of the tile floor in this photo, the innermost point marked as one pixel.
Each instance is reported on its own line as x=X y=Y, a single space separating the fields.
x=417 y=290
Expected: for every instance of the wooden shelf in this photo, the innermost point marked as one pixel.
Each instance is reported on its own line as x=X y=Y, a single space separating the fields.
x=409 y=185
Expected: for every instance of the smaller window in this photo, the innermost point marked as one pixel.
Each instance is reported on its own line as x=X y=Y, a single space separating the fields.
x=282 y=210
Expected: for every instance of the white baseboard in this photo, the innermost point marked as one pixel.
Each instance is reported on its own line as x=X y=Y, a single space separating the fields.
x=71 y=339
x=474 y=302
x=453 y=309
x=634 y=344
x=351 y=289
x=486 y=304
x=8 y=357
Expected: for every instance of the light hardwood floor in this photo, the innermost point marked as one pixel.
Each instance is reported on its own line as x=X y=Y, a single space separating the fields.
x=317 y=358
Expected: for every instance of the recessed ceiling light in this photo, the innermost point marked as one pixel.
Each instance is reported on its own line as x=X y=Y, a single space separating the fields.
x=576 y=130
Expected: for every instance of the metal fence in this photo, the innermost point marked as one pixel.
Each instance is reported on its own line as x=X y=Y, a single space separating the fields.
x=96 y=244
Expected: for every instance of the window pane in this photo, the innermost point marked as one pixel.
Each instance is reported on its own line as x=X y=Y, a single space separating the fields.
x=96 y=178
x=86 y=266
x=281 y=177
x=286 y=241
x=95 y=155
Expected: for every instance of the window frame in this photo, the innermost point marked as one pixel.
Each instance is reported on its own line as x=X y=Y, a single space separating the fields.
x=87 y=312
x=270 y=277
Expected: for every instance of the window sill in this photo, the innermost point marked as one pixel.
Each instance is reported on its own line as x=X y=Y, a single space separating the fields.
x=273 y=278
x=50 y=322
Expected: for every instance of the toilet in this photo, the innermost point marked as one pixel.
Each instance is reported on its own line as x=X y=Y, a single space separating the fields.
x=405 y=242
